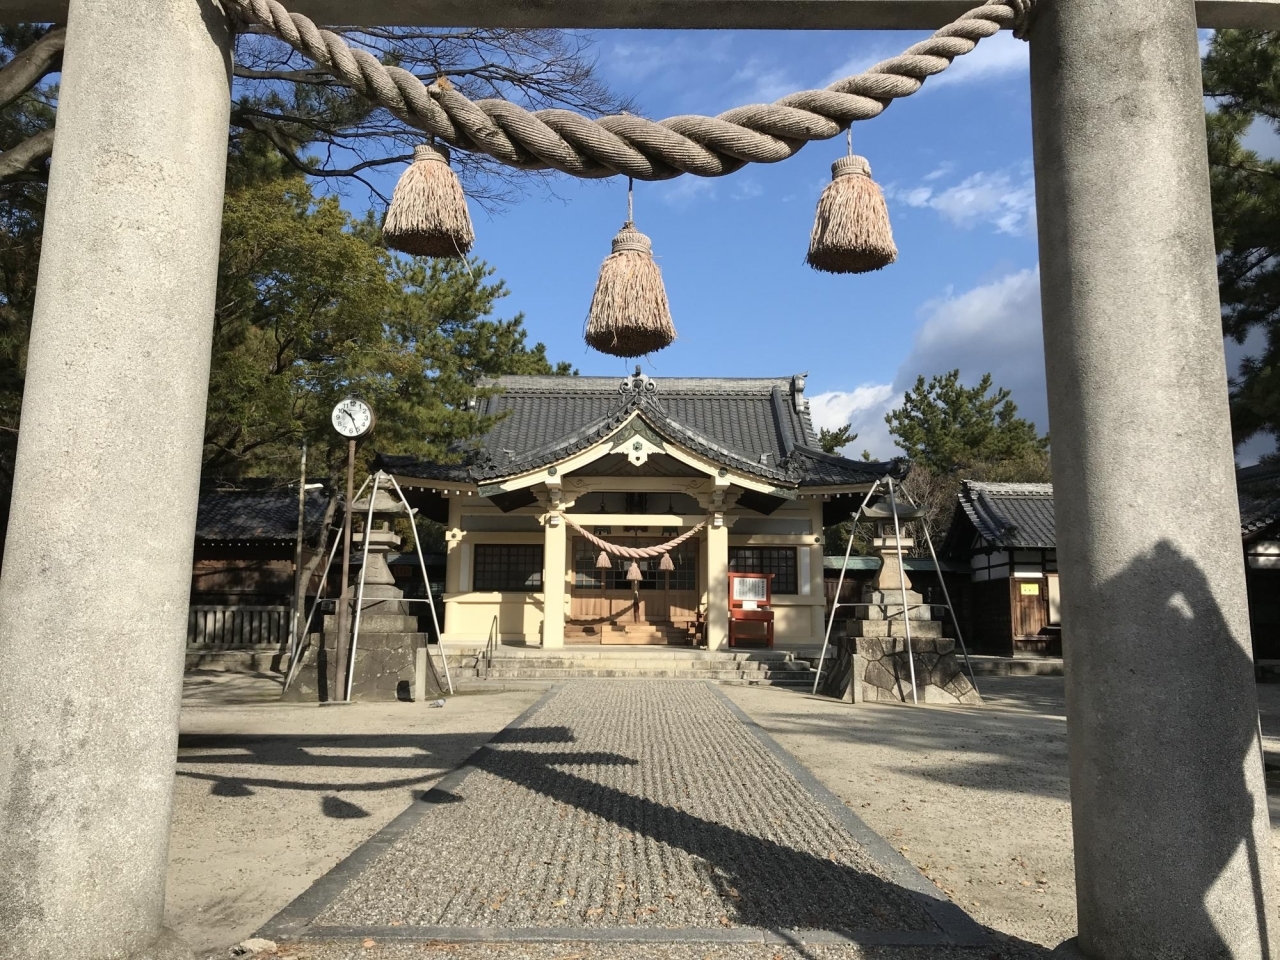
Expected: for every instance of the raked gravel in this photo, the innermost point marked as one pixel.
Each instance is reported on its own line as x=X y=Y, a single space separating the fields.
x=624 y=804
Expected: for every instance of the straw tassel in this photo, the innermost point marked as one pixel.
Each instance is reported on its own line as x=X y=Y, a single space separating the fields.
x=852 y=232
x=629 y=314
x=428 y=214
x=633 y=572
x=666 y=566
x=603 y=562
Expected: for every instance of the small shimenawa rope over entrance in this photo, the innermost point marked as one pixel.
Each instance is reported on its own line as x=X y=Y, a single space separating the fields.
x=428 y=214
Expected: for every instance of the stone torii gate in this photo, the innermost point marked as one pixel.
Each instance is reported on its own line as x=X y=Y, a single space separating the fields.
x=1171 y=832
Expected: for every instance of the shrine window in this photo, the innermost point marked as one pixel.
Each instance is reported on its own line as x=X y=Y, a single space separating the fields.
x=780 y=561
x=508 y=568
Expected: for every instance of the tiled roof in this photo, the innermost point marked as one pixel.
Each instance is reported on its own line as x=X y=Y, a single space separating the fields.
x=258 y=515
x=1021 y=514
x=1258 y=489
x=1018 y=515
x=760 y=427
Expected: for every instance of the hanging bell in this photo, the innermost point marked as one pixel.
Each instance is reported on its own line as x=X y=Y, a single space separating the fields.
x=603 y=562
x=633 y=572
x=666 y=565
x=428 y=213
x=852 y=232
x=629 y=316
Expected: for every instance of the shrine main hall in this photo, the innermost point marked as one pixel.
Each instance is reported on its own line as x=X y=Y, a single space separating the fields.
x=730 y=465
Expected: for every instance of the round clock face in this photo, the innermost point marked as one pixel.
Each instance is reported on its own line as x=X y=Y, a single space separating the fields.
x=352 y=418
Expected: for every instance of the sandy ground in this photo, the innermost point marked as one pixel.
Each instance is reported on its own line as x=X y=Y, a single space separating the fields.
x=271 y=796
x=977 y=798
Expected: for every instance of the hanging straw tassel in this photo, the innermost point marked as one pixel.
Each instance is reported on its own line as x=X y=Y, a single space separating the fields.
x=852 y=232
x=428 y=213
x=603 y=562
x=629 y=314
x=666 y=566
x=633 y=572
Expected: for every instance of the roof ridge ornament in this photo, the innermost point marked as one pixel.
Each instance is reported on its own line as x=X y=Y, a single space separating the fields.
x=638 y=384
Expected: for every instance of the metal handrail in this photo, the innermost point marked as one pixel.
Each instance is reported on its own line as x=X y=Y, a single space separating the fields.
x=492 y=643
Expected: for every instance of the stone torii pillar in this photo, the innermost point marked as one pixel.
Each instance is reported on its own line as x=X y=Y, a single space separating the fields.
x=97 y=567
x=1172 y=838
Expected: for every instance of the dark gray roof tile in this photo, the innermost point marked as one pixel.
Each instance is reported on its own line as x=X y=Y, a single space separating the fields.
x=758 y=426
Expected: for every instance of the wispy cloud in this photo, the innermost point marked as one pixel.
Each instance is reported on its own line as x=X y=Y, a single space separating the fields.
x=1003 y=199
x=760 y=80
x=994 y=58
x=687 y=190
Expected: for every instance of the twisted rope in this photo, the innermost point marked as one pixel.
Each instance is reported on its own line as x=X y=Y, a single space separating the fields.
x=635 y=553
x=626 y=144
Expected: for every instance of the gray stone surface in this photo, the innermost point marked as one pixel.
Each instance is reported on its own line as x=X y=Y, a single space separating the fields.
x=638 y=807
x=1169 y=813
x=576 y=950
x=886 y=675
x=93 y=599
x=687 y=14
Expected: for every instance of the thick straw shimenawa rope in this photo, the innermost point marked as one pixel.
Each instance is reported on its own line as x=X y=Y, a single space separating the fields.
x=630 y=145
x=635 y=553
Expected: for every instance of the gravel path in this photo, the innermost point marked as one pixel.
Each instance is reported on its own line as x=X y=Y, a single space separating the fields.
x=646 y=810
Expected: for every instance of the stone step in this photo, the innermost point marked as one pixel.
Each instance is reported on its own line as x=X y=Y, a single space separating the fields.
x=549 y=673
x=656 y=656
x=270 y=660
x=641 y=668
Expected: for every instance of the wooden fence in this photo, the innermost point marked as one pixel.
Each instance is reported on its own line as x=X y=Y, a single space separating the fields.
x=221 y=626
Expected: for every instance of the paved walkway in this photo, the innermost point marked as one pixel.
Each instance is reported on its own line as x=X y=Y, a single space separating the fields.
x=619 y=811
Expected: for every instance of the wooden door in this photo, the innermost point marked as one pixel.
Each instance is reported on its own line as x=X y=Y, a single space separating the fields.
x=606 y=596
x=1030 y=607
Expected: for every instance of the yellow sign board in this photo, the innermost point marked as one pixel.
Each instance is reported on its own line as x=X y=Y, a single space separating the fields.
x=1031 y=589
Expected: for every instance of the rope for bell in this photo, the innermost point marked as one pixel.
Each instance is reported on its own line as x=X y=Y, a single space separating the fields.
x=634 y=553
x=627 y=144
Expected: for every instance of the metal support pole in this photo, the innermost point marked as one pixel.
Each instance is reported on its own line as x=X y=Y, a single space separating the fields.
x=364 y=566
x=97 y=569
x=324 y=579
x=1168 y=800
x=835 y=605
x=422 y=562
x=344 y=601
x=946 y=594
x=902 y=582
x=299 y=599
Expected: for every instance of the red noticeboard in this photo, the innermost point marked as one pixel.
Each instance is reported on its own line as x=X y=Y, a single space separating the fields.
x=750 y=608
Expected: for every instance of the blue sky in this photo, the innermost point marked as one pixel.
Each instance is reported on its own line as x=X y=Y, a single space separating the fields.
x=955 y=163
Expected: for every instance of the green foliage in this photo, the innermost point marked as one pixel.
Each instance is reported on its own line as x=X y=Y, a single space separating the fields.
x=1242 y=75
x=832 y=440
x=312 y=308
x=944 y=425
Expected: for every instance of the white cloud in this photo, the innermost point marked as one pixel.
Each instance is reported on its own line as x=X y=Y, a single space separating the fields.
x=990 y=329
x=745 y=188
x=863 y=408
x=1003 y=199
x=994 y=58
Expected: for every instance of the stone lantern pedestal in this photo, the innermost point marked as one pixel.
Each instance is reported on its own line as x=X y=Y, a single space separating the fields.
x=388 y=640
x=882 y=665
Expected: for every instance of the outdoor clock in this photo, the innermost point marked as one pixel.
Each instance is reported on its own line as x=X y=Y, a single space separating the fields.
x=352 y=418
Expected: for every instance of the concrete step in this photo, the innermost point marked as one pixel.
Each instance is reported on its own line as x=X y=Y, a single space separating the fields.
x=654 y=655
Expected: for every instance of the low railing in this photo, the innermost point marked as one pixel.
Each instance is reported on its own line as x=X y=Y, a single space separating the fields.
x=491 y=644
x=235 y=626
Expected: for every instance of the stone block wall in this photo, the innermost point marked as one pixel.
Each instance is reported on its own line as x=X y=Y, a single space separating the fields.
x=883 y=673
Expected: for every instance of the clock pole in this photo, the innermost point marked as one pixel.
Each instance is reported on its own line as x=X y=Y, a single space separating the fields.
x=344 y=603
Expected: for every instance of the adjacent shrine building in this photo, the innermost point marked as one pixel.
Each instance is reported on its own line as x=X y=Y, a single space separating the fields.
x=636 y=461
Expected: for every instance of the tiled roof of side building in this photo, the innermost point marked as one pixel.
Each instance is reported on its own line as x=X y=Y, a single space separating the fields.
x=1018 y=515
x=225 y=515
x=758 y=426
x=1258 y=489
